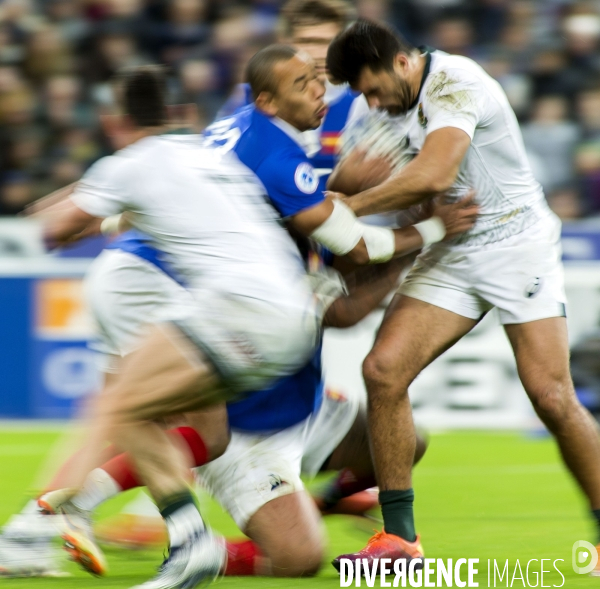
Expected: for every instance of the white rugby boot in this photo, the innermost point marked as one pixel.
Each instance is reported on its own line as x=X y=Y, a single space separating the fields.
x=198 y=560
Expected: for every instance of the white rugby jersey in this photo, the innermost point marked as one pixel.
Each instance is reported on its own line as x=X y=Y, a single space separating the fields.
x=459 y=93
x=205 y=211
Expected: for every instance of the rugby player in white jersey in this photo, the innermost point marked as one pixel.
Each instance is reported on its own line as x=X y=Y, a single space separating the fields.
x=251 y=317
x=465 y=135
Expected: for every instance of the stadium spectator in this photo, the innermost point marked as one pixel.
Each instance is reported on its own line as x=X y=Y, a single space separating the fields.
x=56 y=56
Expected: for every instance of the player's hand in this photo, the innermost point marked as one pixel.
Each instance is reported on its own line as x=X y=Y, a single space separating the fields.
x=458 y=217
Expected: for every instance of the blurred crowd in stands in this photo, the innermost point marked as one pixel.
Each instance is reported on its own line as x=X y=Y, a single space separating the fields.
x=56 y=57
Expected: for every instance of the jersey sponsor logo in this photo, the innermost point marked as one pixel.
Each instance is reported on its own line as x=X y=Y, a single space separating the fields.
x=305 y=178
x=533 y=288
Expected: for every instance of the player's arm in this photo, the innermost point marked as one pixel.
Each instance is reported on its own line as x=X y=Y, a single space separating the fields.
x=81 y=208
x=334 y=225
x=433 y=171
x=367 y=287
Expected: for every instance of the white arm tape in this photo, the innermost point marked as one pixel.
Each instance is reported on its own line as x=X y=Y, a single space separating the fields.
x=110 y=225
x=432 y=230
x=341 y=231
x=380 y=242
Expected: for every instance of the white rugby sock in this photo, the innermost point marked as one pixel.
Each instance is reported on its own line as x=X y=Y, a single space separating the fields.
x=98 y=487
x=183 y=523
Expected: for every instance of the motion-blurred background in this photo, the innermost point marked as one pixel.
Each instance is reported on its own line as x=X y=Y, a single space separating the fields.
x=57 y=56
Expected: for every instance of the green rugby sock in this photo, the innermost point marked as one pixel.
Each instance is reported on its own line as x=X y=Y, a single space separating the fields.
x=397 y=510
x=596 y=516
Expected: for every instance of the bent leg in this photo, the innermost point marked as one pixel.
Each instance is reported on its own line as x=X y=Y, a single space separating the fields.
x=289 y=534
x=165 y=375
x=542 y=352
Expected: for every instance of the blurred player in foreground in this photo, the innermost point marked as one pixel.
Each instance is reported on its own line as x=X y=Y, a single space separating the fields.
x=258 y=478
x=250 y=318
x=465 y=135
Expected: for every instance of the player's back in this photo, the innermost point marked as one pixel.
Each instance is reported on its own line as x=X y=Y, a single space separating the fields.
x=205 y=211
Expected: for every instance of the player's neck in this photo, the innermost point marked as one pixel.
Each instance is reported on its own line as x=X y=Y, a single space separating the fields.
x=140 y=133
x=416 y=77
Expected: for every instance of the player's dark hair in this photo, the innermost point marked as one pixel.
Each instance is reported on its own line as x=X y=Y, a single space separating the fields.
x=364 y=44
x=259 y=72
x=301 y=13
x=142 y=91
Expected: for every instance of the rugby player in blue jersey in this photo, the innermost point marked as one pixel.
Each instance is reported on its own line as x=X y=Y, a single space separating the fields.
x=268 y=138
x=310 y=26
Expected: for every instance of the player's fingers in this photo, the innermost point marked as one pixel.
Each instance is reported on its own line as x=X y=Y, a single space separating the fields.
x=468 y=199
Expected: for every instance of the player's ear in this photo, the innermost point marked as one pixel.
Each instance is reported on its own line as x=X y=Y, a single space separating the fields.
x=401 y=62
x=266 y=103
x=109 y=124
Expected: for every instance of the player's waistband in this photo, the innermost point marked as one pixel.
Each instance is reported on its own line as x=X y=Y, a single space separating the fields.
x=500 y=227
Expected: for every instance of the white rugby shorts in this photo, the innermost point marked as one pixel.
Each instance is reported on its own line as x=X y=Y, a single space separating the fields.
x=522 y=276
x=251 y=343
x=257 y=468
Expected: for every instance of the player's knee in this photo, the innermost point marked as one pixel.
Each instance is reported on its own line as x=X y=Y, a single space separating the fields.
x=298 y=562
x=553 y=401
x=382 y=377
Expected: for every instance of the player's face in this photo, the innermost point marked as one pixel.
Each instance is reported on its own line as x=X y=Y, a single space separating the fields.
x=314 y=40
x=386 y=89
x=299 y=98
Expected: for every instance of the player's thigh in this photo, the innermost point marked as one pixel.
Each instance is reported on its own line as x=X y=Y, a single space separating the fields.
x=413 y=333
x=289 y=532
x=165 y=375
x=541 y=350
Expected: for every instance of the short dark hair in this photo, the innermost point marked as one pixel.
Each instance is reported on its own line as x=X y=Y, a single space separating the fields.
x=300 y=13
x=143 y=95
x=259 y=71
x=364 y=44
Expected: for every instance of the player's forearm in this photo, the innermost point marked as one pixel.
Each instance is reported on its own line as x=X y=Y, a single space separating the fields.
x=368 y=286
x=65 y=223
x=409 y=187
x=407 y=240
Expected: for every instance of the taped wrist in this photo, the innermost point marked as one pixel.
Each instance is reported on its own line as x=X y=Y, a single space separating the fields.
x=341 y=231
x=380 y=242
x=432 y=230
x=110 y=225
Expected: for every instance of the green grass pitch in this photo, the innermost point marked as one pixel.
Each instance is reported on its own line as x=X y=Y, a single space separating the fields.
x=479 y=495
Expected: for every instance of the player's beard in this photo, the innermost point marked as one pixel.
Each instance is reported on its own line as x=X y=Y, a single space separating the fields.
x=403 y=97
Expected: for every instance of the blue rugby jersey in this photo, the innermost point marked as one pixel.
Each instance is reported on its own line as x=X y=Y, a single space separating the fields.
x=336 y=117
x=278 y=161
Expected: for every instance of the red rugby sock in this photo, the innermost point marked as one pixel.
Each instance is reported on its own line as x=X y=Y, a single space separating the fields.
x=123 y=472
x=242 y=557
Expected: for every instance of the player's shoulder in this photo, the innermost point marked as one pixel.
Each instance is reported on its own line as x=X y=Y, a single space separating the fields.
x=448 y=70
x=107 y=169
x=454 y=82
